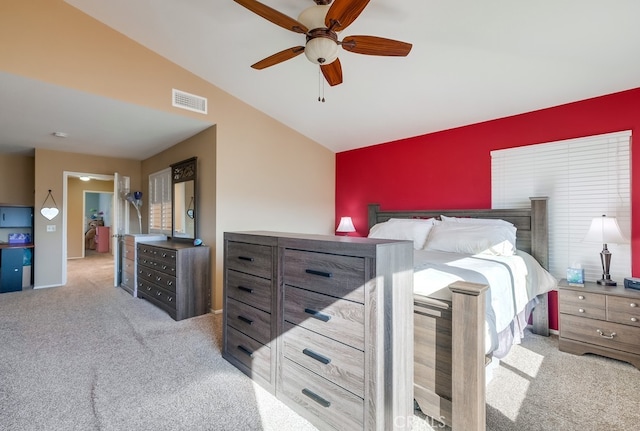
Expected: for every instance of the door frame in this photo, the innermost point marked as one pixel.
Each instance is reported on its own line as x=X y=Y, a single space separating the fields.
x=65 y=183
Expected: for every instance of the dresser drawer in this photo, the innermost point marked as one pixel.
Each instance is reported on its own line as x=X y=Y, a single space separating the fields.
x=129 y=250
x=584 y=304
x=146 y=251
x=623 y=310
x=129 y=266
x=127 y=276
x=328 y=358
x=161 y=279
x=249 y=320
x=159 y=296
x=252 y=290
x=626 y=338
x=339 y=276
x=251 y=353
x=337 y=407
x=335 y=318
x=249 y=258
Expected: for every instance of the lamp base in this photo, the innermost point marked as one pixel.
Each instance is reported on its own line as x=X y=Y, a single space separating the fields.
x=606 y=282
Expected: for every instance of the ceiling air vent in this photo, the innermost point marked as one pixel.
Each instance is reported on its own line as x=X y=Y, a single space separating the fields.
x=189 y=101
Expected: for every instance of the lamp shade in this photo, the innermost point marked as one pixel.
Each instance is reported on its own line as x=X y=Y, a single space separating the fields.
x=346 y=225
x=321 y=50
x=605 y=230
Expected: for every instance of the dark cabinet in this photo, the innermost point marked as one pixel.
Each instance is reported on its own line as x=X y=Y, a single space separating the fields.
x=16 y=216
x=11 y=269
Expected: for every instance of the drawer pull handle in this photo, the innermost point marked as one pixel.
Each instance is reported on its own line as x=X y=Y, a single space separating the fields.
x=164 y=266
x=609 y=337
x=317 y=356
x=248 y=259
x=246 y=320
x=158 y=278
x=634 y=319
x=580 y=296
x=245 y=351
x=317 y=398
x=246 y=289
x=170 y=298
x=633 y=305
x=320 y=273
x=581 y=310
x=169 y=283
x=318 y=315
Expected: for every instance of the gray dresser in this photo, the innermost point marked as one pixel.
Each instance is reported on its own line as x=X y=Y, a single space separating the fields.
x=175 y=276
x=325 y=323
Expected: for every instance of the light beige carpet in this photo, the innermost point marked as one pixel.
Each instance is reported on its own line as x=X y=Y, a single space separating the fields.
x=88 y=356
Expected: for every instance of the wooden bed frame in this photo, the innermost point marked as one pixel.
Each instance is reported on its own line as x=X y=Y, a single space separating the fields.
x=449 y=346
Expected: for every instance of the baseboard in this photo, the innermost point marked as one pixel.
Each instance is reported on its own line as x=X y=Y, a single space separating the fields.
x=215 y=311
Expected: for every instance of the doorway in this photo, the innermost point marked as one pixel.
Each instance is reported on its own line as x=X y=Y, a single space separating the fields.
x=73 y=206
x=97 y=212
x=88 y=200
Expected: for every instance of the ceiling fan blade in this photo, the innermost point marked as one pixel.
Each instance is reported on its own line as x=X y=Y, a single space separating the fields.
x=332 y=72
x=273 y=15
x=279 y=57
x=343 y=12
x=373 y=45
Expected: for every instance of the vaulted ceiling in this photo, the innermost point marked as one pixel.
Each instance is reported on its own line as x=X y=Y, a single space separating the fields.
x=471 y=60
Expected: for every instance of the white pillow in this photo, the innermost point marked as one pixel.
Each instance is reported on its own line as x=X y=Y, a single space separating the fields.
x=415 y=230
x=472 y=238
x=475 y=220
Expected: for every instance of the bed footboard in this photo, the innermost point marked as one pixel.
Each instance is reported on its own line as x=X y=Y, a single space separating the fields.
x=449 y=377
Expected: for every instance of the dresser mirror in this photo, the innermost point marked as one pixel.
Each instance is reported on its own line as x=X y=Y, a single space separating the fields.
x=184 y=201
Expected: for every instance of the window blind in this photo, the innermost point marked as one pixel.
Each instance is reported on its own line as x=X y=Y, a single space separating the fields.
x=583 y=178
x=160 y=202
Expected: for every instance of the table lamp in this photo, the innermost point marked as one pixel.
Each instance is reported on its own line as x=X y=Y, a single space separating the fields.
x=605 y=230
x=346 y=225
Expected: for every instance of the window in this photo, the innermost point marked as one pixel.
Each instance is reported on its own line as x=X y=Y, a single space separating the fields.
x=583 y=178
x=160 y=202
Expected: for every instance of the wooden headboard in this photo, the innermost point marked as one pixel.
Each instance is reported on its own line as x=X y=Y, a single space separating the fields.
x=532 y=233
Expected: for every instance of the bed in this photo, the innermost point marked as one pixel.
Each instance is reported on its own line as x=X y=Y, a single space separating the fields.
x=459 y=320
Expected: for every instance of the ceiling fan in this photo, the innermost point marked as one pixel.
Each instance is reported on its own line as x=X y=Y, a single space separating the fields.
x=320 y=24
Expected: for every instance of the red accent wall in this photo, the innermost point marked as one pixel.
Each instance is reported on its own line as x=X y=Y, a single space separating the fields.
x=451 y=169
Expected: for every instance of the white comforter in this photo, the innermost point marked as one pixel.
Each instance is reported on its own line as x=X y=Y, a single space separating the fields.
x=514 y=282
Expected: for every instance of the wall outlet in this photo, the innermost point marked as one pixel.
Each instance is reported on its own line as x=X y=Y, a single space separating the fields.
x=51 y=228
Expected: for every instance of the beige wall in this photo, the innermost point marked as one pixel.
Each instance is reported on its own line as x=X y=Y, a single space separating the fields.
x=266 y=176
x=16 y=180
x=202 y=146
x=76 y=225
x=50 y=166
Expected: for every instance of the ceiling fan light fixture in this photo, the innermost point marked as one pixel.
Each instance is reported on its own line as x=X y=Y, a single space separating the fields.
x=321 y=50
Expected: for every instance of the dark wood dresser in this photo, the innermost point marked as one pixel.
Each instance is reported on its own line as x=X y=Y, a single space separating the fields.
x=604 y=320
x=175 y=276
x=325 y=323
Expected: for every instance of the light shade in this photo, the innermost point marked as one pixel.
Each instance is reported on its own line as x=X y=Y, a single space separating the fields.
x=346 y=225
x=321 y=50
x=605 y=230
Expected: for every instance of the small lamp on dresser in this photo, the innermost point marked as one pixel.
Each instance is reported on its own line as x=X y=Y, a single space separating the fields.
x=346 y=226
x=605 y=230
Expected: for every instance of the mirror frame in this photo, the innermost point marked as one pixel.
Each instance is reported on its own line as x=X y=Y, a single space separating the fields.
x=183 y=171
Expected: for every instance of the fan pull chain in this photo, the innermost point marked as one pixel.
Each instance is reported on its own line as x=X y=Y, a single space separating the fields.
x=320 y=86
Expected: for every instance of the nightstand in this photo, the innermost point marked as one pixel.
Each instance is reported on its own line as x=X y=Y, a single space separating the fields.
x=604 y=320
